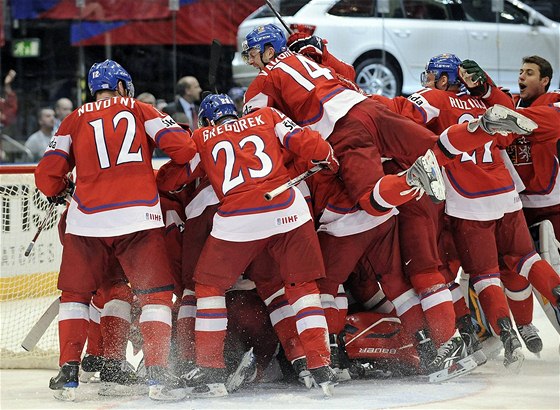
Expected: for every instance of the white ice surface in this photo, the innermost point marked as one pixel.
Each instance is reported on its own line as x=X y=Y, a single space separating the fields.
x=537 y=386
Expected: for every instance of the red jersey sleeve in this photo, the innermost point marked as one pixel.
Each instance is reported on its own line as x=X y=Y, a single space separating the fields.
x=302 y=141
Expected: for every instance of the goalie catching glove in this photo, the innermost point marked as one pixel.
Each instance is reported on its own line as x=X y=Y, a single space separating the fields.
x=474 y=78
x=329 y=162
x=309 y=46
x=60 y=199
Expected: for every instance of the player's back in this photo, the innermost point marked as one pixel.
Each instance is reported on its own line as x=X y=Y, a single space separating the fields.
x=305 y=91
x=243 y=160
x=112 y=153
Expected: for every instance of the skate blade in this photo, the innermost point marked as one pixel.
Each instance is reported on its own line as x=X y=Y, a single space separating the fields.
x=492 y=347
x=457 y=369
x=431 y=166
x=524 y=123
x=66 y=394
x=245 y=372
x=342 y=375
x=306 y=379
x=161 y=393
x=118 y=390
x=515 y=365
x=479 y=357
x=90 y=377
x=208 y=390
x=328 y=388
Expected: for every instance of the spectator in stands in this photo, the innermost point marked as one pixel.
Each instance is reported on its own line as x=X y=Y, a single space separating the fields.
x=148 y=98
x=39 y=140
x=62 y=108
x=9 y=102
x=160 y=104
x=185 y=107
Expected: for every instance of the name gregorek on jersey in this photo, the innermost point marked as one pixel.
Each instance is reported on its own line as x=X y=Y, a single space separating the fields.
x=234 y=126
x=102 y=104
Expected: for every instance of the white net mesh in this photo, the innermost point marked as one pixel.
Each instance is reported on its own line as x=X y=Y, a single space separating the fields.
x=27 y=284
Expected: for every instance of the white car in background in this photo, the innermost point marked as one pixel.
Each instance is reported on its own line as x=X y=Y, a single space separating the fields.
x=389 y=42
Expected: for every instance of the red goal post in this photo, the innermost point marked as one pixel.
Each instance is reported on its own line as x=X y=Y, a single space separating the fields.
x=27 y=284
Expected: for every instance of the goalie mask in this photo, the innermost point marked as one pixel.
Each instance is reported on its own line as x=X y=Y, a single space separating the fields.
x=260 y=37
x=442 y=64
x=106 y=76
x=214 y=107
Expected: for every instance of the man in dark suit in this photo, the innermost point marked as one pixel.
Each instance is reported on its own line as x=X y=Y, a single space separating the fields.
x=184 y=109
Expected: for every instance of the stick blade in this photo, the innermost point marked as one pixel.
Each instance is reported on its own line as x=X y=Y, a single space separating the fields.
x=39 y=329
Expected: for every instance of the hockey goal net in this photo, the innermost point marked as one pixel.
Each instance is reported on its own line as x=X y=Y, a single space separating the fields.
x=27 y=284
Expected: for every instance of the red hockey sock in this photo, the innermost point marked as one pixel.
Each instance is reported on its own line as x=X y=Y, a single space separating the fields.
x=310 y=322
x=155 y=325
x=544 y=278
x=115 y=327
x=185 y=326
x=282 y=317
x=210 y=326
x=73 y=320
x=459 y=302
x=437 y=304
x=491 y=297
x=519 y=296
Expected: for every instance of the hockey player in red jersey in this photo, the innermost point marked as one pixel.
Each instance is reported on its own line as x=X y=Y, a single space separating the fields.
x=535 y=158
x=243 y=160
x=358 y=128
x=114 y=212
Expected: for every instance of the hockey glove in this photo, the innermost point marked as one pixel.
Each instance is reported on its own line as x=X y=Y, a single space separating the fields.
x=309 y=46
x=60 y=199
x=329 y=162
x=474 y=78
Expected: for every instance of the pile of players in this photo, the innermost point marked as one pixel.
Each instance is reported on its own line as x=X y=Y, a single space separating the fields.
x=372 y=223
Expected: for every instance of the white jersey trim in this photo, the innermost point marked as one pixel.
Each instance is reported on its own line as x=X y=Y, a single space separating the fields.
x=200 y=202
x=486 y=208
x=336 y=224
x=541 y=201
x=114 y=222
x=244 y=228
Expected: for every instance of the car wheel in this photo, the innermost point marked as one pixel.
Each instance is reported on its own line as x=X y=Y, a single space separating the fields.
x=374 y=77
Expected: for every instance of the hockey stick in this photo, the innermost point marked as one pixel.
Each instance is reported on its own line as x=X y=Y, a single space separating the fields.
x=50 y=210
x=39 y=329
x=284 y=187
x=278 y=16
x=215 y=54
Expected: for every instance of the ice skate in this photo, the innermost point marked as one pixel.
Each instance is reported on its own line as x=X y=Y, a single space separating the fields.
x=451 y=361
x=163 y=386
x=425 y=176
x=469 y=336
x=303 y=374
x=118 y=378
x=325 y=377
x=530 y=337
x=513 y=357
x=91 y=368
x=337 y=358
x=66 y=382
x=502 y=120
x=427 y=352
x=245 y=373
x=206 y=382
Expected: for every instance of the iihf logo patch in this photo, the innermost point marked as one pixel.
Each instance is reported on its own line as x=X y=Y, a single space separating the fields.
x=286 y=220
x=153 y=217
